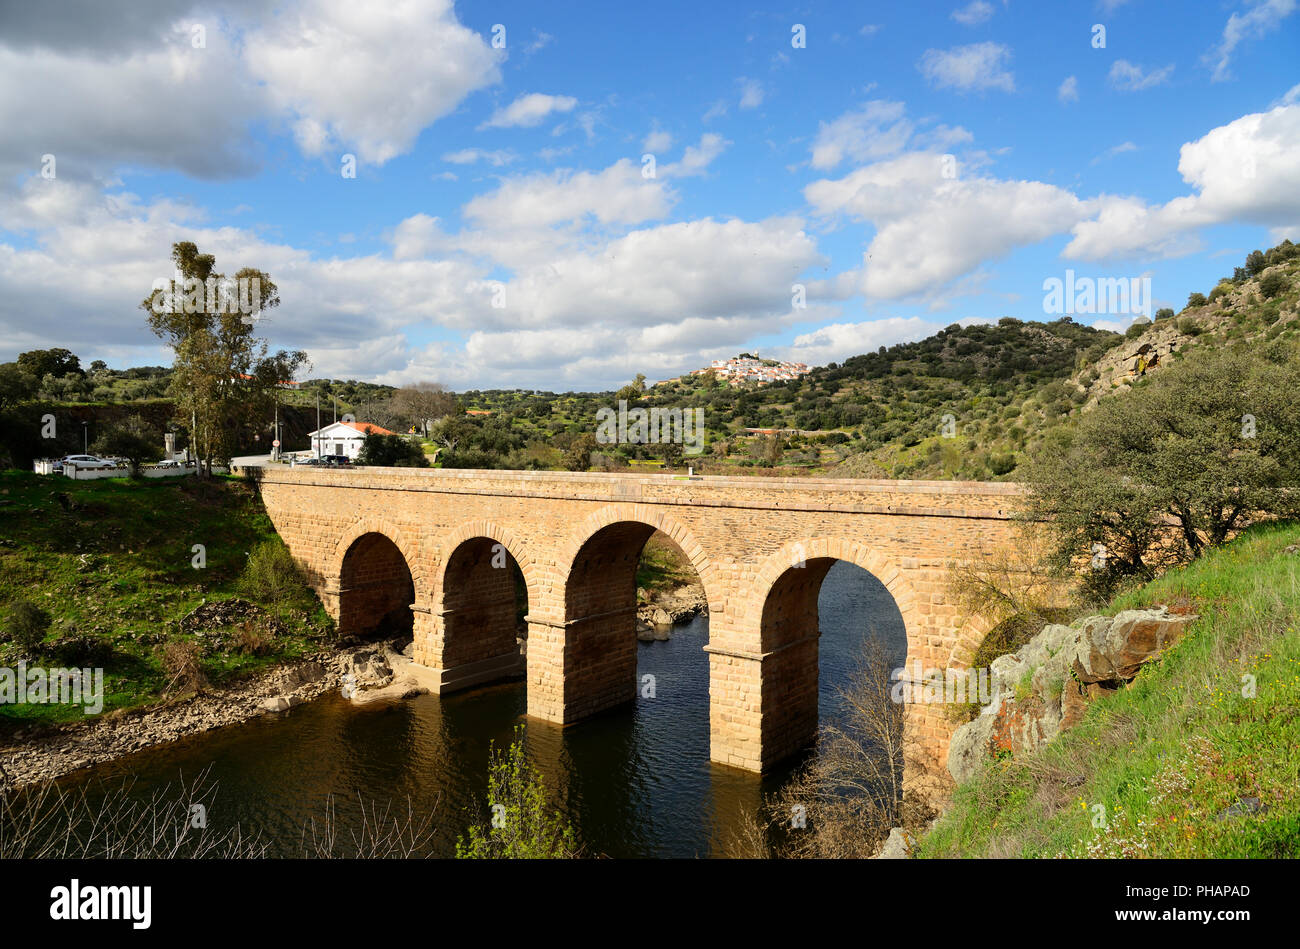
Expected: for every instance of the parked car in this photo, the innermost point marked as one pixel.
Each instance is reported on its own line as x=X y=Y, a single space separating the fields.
x=91 y=462
x=336 y=461
x=168 y=464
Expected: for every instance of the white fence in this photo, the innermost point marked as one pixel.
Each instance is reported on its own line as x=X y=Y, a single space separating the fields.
x=45 y=466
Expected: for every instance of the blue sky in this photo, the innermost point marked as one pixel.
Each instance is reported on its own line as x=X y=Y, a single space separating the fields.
x=909 y=166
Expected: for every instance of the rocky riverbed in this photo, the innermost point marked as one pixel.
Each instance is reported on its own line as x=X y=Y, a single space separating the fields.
x=659 y=612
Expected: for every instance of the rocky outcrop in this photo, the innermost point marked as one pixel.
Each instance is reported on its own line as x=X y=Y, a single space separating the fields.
x=1046 y=685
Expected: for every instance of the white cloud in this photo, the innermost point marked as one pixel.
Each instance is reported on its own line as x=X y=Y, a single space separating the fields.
x=1129 y=77
x=931 y=230
x=529 y=110
x=1068 y=91
x=657 y=140
x=974 y=13
x=978 y=66
x=751 y=93
x=1261 y=18
x=94 y=113
x=1114 y=150
x=616 y=195
x=836 y=342
x=878 y=129
x=697 y=158
x=468 y=156
x=367 y=78
x=1244 y=171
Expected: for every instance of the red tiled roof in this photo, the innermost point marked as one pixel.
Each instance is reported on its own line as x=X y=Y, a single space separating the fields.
x=365 y=428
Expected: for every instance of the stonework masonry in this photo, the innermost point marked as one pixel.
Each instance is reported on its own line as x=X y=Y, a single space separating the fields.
x=373 y=539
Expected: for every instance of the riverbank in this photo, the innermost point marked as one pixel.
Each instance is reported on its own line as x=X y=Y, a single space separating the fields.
x=43 y=752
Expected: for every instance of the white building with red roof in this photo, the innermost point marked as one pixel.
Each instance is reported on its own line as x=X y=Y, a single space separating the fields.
x=343 y=438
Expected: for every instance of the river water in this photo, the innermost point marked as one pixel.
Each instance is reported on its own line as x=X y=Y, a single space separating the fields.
x=636 y=782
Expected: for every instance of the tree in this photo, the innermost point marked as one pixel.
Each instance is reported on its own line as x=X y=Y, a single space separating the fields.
x=55 y=362
x=633 y=390
x=16 y=385
x=1196 y=299
x=391 y=451
x=223 y=381
x=673 y=454
x=1164 y=313
x=1154 y=477
x=133 y=439
x=424 y=403
x=578 y=455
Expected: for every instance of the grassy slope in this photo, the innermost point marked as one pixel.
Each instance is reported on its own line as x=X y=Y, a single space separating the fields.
x=1167 y=755
x=115 y=564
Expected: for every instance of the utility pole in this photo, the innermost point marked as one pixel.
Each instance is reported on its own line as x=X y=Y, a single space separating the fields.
x=316 y=446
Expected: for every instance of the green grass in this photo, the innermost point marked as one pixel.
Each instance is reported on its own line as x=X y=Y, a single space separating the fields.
x=111 y=562
x=1164 y=758
x=663 y=566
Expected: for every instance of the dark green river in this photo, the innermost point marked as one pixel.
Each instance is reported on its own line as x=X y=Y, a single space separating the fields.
x=636 y=782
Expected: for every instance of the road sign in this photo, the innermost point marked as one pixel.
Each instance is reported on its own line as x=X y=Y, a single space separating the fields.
x=276 y=443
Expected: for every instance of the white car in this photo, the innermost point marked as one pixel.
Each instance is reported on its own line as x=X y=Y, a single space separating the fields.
x=91 y=462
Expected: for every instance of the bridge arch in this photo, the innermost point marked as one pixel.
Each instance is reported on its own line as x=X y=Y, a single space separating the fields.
x=808 y=551
x=476 y=603
x=650 y=516
x=777 y=664
x=596 y=570
x=379 y=580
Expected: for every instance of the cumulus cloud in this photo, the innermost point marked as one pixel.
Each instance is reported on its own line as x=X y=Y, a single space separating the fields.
x=368 y=78
x=1068 y=90
x=976 y=67
x=657 y=141
x=1243 y=171
x=94 y=113
x=836 y=342
x=1263 y=17
x=974 y=13
x=529 y=110
x=697 y=158
x=878 y=129
x=931 y=229
x=617 y=195
x=1129 y=77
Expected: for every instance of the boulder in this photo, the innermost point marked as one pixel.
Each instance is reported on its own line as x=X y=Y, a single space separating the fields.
x=1115 y=648
x=898 y=846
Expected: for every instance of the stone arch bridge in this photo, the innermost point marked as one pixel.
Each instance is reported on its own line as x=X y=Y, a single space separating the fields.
x=377 y=542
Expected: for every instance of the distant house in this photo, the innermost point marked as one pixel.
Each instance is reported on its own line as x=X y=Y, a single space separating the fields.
x=343 y=438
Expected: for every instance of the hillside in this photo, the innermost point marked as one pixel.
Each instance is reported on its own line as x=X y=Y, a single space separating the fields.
x=1197 y=757
x=1252 y=307
x=112 y=564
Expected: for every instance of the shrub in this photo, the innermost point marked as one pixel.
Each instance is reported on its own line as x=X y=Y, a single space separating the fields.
x=1196 y=299
x=1272 y=284
x=271 y=574
x=27 y=625
x=1189 y=327
x=180 y=661
x=522 y=824
x=1164 y=313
